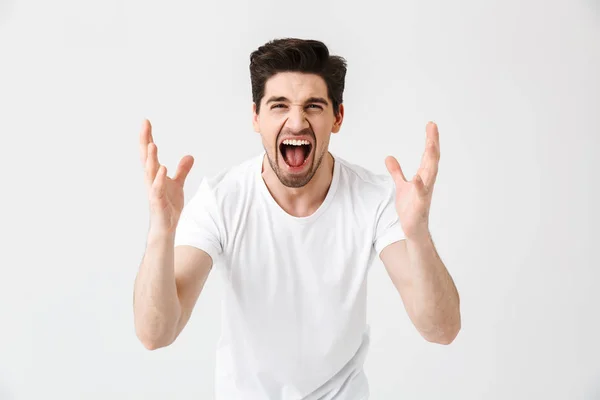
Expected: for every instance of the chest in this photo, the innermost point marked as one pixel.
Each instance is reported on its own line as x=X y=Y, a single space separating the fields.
x=329 y=255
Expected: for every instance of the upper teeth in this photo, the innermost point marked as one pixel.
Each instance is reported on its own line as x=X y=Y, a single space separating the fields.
x=293 y=142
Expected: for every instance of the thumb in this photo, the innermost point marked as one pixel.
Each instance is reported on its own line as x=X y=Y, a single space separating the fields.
x=393 y=167
x=183 y=169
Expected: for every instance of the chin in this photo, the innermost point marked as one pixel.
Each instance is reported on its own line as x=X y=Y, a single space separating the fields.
x=295 y=177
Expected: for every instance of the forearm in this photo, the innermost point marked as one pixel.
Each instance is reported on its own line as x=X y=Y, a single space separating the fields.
x=435 y=300
x=156 y=302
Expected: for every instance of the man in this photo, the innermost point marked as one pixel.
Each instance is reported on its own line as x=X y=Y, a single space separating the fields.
x=293 y=232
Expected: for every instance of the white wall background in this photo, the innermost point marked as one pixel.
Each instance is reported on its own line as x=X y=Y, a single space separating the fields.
x=513 y=85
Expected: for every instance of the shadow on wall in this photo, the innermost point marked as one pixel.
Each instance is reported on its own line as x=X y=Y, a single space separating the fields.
x=6 y=7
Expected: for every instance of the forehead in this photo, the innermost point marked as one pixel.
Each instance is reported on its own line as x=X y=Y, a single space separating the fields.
x=296 y=86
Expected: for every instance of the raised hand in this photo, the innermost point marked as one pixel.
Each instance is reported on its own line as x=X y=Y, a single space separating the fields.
x=413 y=198
x=165 y=194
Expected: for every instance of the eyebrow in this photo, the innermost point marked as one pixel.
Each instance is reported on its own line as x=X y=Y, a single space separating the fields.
x=275 y=99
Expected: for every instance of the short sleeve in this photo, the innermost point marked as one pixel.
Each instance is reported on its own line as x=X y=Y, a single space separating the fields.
x=199 y=223
x=387 y=224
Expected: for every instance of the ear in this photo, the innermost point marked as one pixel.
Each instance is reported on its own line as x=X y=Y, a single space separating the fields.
x=337 y=124
x=255 y=119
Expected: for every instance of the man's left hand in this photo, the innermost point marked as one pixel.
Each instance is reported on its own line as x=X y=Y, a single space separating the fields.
x=413 y=198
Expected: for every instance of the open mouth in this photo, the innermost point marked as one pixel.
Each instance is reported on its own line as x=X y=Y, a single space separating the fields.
x=295 y=152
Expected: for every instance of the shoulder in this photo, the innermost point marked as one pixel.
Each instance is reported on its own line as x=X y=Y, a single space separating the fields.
x=229 y=183
x=365 y=182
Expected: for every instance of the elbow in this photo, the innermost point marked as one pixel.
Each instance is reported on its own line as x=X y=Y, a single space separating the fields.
x=445 y=338
x=443 y=335
x=150 y=343
x=450 y=335
x=153 y=340
x=154 y=333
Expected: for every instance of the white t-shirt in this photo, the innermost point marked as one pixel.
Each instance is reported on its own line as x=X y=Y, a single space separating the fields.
x=294 y=302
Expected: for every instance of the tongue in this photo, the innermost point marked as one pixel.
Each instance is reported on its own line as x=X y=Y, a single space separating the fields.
x=294 y=155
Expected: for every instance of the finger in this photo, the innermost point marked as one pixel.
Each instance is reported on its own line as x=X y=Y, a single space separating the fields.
x=152 y=164
x=145 y=139
x=434 y=140
x=183 y=169
x=430 y=160
x=159 y=184
x=393 y=167
x=429 y=166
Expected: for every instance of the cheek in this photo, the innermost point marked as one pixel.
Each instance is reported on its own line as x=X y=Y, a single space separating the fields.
x=271 y=127
x=268 y=126
x=269 y=135
x=322 y=130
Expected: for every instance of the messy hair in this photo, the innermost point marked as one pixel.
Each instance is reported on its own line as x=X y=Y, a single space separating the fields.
x=297 y=55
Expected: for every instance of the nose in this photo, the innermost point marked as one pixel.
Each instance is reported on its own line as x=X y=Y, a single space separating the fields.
x=296 y=120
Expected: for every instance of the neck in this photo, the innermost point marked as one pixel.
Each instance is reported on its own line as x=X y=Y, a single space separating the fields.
x=303 y=201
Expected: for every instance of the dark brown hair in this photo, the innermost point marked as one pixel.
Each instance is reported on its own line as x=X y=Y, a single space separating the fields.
x=297 y=55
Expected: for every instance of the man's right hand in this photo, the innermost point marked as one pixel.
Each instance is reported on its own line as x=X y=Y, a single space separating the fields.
x=165 y=194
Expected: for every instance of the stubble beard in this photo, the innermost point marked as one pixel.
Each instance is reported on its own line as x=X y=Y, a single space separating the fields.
x=295 y=181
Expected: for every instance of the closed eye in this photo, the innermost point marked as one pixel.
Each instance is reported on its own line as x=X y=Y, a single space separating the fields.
x=313 y=106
